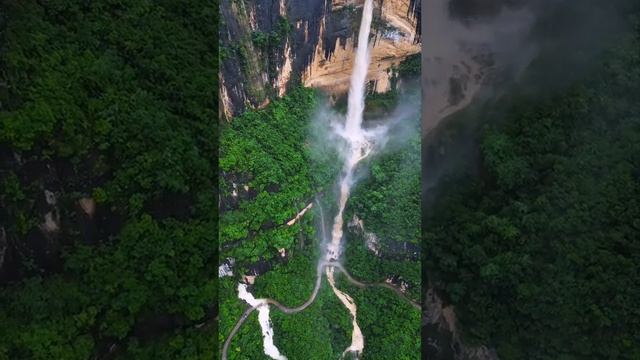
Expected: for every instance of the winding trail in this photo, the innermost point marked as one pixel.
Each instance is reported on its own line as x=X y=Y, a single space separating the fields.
x=312 y=298
x=314 y=293
x=360 y=144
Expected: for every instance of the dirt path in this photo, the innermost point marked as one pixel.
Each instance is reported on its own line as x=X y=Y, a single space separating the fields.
x=312 y=298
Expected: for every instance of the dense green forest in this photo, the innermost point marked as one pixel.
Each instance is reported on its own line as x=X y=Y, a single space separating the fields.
x=273 y=163
x=323 y=330
x=266 y=177
x=110 y=104
x=539 y=249
x=387 y=199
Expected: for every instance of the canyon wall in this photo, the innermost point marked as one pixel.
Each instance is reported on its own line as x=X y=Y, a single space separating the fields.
x=268 y=45
x=395 y=38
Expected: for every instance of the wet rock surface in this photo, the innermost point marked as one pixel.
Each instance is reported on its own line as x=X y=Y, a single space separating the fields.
x=384 y=248
x=395 y=36
x=246 y=82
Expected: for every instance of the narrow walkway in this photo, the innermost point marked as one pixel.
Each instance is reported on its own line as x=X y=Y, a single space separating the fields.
x=312 y=298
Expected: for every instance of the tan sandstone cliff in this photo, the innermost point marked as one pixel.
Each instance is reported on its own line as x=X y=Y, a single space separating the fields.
x=317 y=49
x=389 y=47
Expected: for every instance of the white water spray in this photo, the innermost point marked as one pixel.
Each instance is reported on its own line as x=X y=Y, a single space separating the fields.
x=270 y=348
x=359 y=146
x=359 y=143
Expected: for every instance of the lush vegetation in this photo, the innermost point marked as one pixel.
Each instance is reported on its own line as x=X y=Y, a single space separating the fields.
x=273 y=163
x=388 y=197
x=539 y=251
x=306 y=335
x=266 y=178
x=410 y=67
x=323 y=330
x=387 y=200
x=112 y=101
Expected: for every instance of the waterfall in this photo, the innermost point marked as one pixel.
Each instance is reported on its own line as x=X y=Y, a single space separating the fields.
x=358 y=140
x=359 y=76
x=359 y=146
x=270 y=348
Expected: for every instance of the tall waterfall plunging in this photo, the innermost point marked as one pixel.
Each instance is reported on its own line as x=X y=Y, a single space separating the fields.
x=358 y=140
x=359 y=143
x=359 y=146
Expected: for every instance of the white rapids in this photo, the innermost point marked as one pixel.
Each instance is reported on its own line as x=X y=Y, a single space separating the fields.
x=270 y=348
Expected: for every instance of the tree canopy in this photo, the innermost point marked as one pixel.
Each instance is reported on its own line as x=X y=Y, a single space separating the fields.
x=538 y=252
x=115 y=102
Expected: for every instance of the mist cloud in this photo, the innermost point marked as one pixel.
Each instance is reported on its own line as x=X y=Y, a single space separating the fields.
x=473 y=47
x=461 y=52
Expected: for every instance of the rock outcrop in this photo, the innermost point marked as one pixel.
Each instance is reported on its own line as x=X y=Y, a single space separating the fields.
x=395 y=38
x=441 y=338
x=266 y=46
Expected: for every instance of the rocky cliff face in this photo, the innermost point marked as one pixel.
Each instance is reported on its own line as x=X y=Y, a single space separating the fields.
x=395 y=38
x=441 y=340
x=268 y=45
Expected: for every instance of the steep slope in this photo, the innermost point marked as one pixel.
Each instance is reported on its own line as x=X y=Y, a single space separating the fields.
x=268 y=46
